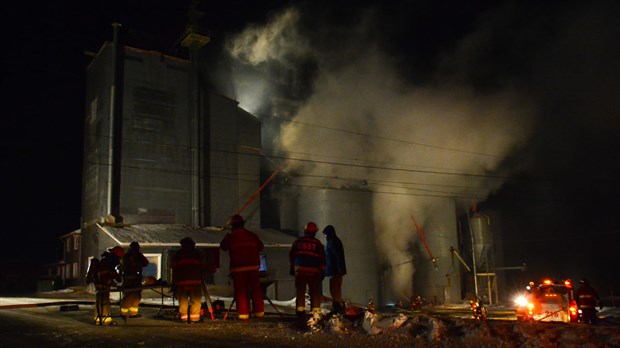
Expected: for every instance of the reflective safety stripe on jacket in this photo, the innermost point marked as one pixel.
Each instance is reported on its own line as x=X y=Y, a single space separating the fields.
x=307 y=255
x=187 y=267
x=244 y=248
x=586 y=297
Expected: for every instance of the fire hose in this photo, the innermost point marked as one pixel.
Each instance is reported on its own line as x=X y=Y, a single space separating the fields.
x=253 y=196
x=433 y=259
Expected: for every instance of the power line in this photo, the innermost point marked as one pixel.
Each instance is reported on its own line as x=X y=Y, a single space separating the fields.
x=389 y=139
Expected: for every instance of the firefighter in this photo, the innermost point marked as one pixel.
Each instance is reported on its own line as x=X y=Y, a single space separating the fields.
x=188 y=266
x=335 y=268
x=107 y=275
x=587 y=300
x=244 y=248
x=307 y=264
x=132 y=264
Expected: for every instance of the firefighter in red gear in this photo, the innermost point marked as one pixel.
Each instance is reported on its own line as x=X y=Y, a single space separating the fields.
x=587 y=300
x=307 y=264
x=244 y=248
x=132 y=264
x=107 y=275
x=188 y=266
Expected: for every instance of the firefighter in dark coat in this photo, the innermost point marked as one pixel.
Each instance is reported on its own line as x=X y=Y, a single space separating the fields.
x=132 y=264
x=244 y=248
x=188 y=266
x=107 y=276
x=335 y=267
x=307 y=264
x=587 y=300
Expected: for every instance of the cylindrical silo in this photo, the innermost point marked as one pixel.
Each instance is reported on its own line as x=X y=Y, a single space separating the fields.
x=350 y=212
x=437 y=281
x=480 y=225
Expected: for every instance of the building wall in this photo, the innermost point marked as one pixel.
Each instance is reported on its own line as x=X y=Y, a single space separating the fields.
x=155 y=176
x=234 y=157
x=159 y=166
x=350 y=212
x=69 y=269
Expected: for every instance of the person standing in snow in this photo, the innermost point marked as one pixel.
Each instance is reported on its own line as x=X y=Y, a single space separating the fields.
x=587 y=300
x=244 y=248
x=335 y=268
x=188 y=266
x=132 y=264
x=307 y=264
x=107 y=276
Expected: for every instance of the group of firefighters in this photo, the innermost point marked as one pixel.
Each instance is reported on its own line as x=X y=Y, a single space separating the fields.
x=310 y=263
x=117 y=266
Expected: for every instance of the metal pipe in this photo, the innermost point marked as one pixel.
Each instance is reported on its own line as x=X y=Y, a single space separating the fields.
x=473 y=253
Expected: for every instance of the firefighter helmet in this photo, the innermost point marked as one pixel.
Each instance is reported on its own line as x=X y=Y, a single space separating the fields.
x=117 y=250
x=311 y=227
x=236 y=220
x=187 y=241
x=134 y=245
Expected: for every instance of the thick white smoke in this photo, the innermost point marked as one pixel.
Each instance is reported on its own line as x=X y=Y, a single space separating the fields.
x=260 y=46
x=406 y=143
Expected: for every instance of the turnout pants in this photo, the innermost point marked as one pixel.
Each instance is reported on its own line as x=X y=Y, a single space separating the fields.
x=247 y=287
x=131 y=299
x=190 y=299
x=313 y=282
x=102 y=312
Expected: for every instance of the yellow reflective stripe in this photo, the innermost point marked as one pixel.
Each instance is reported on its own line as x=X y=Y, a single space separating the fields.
x=301 y=309
x=244 y=316
x=105 y=320
x=259 y=314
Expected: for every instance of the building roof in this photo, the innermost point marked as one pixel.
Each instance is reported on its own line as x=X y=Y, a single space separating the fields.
x=170 y=235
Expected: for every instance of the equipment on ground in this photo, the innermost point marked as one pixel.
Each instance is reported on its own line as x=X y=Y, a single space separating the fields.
x=208 y=299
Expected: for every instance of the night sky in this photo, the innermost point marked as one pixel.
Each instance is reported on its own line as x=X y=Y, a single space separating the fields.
x=559 y=200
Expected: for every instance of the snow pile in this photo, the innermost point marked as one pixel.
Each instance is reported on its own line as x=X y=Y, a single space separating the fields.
x=374 y=323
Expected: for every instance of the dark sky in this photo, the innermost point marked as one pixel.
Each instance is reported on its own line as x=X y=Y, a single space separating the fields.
x=559 y=203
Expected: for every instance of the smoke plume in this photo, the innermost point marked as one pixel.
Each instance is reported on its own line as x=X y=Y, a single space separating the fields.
x=408 y=143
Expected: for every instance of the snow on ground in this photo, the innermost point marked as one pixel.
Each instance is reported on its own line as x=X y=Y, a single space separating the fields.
x=451 y=328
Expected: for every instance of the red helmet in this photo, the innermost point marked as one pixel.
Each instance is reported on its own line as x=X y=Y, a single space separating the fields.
x=236 y=220
x=117 y=250
x=311 y=227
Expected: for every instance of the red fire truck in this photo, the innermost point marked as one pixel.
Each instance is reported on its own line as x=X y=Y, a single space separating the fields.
x=549 y=301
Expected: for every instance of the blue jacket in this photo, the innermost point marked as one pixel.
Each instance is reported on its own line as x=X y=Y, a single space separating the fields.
x=334 y=255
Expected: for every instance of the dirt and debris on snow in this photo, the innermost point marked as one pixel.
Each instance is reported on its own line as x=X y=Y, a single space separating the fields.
x=40 y=321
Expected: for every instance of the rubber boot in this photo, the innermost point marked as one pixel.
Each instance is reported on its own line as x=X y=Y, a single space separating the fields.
x=337 y=308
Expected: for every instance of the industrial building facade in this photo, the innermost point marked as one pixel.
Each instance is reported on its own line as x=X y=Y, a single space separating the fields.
x=166 y=156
